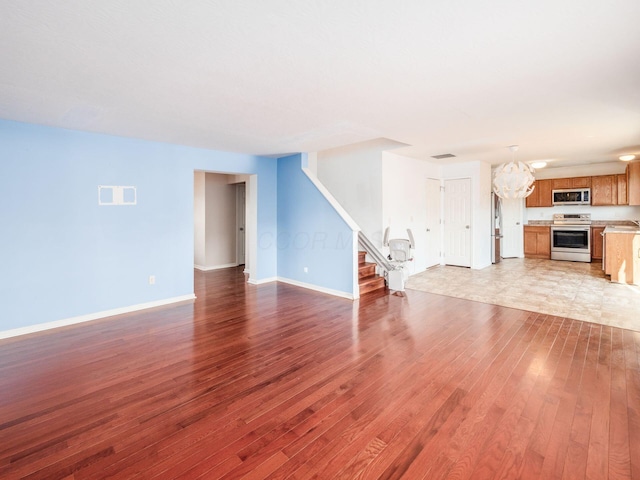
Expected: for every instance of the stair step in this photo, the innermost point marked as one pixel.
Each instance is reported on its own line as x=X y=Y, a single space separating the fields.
x=368 y=281
x=366 y=270
x=371 y=284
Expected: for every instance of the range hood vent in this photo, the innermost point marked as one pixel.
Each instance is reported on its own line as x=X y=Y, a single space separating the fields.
x=444 y=155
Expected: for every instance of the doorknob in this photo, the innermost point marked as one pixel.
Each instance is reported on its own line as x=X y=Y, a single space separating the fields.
x=467 y=227
x=242 y=229
x=428 y=229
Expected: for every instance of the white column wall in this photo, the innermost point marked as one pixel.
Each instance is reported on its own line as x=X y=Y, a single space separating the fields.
x=480 y=175
x=354 y=178
x=404 y=198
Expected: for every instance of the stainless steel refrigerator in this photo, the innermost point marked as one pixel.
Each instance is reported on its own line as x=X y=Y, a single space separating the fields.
x=496 y=225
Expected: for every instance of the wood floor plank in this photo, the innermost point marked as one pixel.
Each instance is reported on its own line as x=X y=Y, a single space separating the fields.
x=277 y=382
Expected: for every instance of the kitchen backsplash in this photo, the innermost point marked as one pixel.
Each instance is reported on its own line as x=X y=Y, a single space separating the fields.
x=597 y=213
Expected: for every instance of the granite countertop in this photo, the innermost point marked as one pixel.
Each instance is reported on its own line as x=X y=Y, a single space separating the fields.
x=594 y=223
x=634 y=229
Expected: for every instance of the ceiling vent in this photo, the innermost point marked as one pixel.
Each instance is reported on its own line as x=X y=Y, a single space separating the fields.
x=444 y=155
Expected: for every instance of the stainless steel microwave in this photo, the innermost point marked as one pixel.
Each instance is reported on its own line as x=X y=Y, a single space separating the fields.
x=574 y=196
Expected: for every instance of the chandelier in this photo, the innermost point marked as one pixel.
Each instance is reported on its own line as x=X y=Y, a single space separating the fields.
x=513 y=179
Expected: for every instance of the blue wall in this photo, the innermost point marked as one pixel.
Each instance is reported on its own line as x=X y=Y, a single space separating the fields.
x=62 y=255
x=310 y=232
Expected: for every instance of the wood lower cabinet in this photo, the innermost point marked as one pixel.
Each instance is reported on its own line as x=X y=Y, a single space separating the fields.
x=597 y=242
x=633 y=183
x=537 y=241
x=604 y=190
x=541 y=195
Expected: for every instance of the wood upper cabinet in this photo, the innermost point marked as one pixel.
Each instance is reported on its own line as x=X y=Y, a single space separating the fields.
x=571 y=182
x=622 y=189
x=597 y=242
x=633 y=183
x=581 y=182
x=537 y=241
x=604 y=190
x=541 y=195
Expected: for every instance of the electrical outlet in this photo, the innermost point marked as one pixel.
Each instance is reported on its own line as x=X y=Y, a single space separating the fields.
x=152 y=279
x=305 y=270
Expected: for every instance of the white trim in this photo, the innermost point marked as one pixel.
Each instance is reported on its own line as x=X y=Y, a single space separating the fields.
x=309 y=286
x=264 y=280
x=356 y=268
x=92 y=316
x=215 y=267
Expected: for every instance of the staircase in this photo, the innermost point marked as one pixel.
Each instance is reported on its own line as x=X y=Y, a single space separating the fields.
x=367 y=278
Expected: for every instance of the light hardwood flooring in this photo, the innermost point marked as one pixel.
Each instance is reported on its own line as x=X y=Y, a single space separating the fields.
x=566 y=289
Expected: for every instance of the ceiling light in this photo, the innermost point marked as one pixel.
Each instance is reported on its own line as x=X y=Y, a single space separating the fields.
x=513 y=179
x=540 y=164
x=626 y=158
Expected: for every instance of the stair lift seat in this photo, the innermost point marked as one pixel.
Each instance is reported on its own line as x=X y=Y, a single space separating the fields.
x=399 y=255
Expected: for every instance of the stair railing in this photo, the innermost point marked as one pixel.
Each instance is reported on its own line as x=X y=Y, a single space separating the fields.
x=371 y=249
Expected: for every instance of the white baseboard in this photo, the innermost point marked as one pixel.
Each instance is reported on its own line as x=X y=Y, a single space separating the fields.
x=92 y=316
x=215 y=267
x=330 y=291
x=264 y=280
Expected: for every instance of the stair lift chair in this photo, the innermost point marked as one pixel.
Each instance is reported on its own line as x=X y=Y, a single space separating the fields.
x=399 y=255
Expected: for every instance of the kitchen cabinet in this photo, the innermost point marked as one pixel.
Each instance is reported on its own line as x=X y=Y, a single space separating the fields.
x=633 y=183
x=604 y=190
x=571 y=182
x=537 y=241
x=597 y=243
x=622 y=189
x=541 y=195
x=622 y=256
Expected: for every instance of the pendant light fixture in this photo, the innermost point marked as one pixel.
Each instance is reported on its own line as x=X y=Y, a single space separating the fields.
x=513 y=179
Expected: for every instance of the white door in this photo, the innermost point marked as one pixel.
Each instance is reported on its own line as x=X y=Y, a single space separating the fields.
x=434 y=232
x=511 y=229
x=457 y=222
x=240 y=223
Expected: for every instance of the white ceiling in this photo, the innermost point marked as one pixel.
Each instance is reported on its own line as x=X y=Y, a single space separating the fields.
x=561 y=78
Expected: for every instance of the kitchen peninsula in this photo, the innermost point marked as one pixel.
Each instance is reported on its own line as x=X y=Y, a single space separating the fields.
x=622 y=253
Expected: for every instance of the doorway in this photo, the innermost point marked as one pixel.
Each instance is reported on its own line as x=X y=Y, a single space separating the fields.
x=457 y=222
x=223 y=220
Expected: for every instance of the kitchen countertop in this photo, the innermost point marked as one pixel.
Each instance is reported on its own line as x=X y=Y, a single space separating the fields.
x=594 y=223
x=633 y=229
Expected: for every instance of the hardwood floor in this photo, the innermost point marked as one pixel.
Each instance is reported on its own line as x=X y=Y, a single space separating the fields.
x=274 y=381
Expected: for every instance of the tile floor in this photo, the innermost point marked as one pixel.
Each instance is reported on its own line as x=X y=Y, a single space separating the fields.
x=567 y=289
